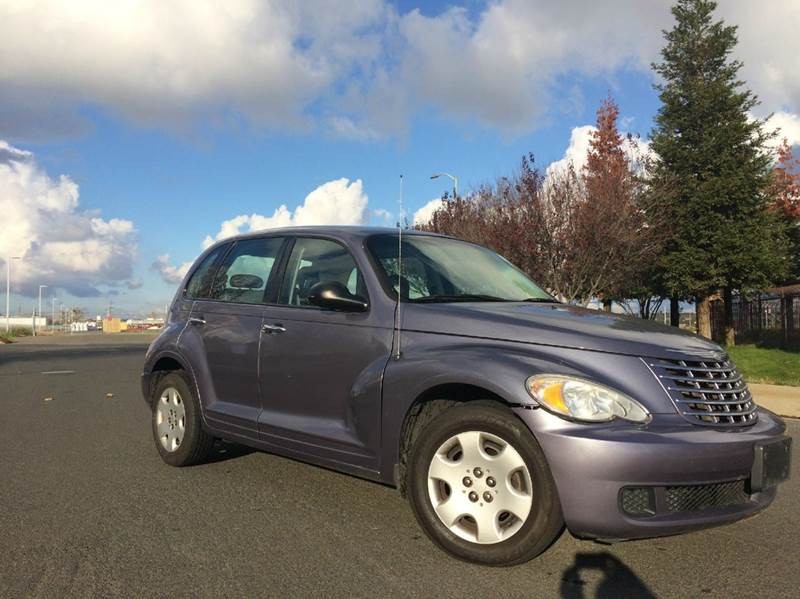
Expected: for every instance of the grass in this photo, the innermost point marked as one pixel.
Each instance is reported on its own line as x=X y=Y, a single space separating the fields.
x=766 y=365
x=13 y=334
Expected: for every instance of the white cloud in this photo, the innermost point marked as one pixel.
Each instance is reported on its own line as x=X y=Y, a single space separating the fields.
x=337 y=202
x=384 y=216
x=168 y=63
x=578 y=149
x=788 y=127
x=424 y=214
x=60 y=244
x=170 y=274
x=358 y=70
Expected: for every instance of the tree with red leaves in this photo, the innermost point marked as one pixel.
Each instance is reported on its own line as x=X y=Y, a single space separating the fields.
x=785 y=193
x=786 y=183
x=615 y=218
x=582 y=234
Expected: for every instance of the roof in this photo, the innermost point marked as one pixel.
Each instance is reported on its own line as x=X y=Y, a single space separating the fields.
x=352 y=232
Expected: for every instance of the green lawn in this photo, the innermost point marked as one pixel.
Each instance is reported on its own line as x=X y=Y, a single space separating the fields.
x=762 y=365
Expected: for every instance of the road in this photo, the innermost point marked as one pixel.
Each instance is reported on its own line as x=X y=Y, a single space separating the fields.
x=87 y=508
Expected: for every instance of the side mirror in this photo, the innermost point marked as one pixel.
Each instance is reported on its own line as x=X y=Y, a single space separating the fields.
x=335 y=296
x=246 y=282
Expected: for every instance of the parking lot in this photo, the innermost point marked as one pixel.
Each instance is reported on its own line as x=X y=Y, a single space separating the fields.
x=87 y=508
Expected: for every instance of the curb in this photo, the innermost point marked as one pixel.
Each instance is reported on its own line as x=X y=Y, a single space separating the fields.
x=781 y=399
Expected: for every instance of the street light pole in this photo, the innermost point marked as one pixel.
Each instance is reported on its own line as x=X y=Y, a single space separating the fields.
x=452 y=178
x=8 y=290
x=40 y=308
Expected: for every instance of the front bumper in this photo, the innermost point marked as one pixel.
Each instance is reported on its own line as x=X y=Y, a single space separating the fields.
x=592 y=464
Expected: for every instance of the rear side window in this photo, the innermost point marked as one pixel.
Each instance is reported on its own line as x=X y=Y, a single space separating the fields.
x=203 y=276
x=244 y=276
x=318 y=261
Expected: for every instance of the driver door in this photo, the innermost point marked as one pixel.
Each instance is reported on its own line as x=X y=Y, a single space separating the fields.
x=321 y=371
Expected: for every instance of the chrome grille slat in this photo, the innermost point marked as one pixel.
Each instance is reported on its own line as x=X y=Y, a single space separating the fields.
x=683 y=389
x=736 y=379
x=707 y=392
x=748 y=410
x=679 y=366
x=716 y=402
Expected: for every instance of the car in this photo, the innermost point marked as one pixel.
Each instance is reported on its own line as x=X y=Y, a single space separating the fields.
x=433 y=364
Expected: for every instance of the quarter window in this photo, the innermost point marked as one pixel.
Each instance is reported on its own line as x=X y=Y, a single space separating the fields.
x=244 y=276
x=202 y=278
x=318 y=261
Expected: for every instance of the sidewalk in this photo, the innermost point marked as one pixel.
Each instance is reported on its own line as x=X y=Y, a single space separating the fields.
x=783 y=400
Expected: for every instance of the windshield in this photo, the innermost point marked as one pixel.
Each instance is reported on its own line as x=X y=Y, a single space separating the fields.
x=440 y=269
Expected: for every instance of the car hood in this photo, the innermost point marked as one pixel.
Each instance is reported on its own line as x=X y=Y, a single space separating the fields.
x=559 y=325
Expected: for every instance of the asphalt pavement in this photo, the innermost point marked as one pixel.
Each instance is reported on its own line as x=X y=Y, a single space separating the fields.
x=87 y=508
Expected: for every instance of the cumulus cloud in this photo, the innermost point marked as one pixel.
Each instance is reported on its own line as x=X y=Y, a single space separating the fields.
x=358 y=70
x=165 y=62
x=338 y=202
x=578 y=149
x=169 y=273
x=61 y=245
x=787 y=126
x=424 y=214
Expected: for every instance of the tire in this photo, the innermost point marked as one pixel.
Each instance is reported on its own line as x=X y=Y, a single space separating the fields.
x=494 y=536
x=176 y=422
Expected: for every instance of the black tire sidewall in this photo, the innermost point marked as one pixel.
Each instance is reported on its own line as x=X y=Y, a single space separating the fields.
x=194 y=435
x=543 y=525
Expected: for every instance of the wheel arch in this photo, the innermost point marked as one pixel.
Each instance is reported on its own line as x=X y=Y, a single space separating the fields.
x=158 y=366
x=429 y=404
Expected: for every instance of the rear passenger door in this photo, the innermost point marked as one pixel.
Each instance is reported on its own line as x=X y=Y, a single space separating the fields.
x=224 y=332
x=321 y=369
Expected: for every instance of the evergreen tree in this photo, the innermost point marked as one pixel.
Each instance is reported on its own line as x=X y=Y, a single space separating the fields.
x=713 y=160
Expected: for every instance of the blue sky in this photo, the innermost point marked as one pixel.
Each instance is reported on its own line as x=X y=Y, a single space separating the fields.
x=362 y=91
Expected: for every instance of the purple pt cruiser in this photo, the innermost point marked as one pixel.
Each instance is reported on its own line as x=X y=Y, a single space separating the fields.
x=433 y=364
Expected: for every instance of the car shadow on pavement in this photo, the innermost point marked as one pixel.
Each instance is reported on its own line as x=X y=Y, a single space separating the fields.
x=224 y=450
x=617 y=579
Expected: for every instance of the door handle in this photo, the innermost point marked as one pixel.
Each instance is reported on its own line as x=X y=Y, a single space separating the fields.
x=272 y=328
x=196 y=320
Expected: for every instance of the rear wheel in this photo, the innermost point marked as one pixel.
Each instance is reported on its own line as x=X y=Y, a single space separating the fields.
x=481 y=488
x=177 y=426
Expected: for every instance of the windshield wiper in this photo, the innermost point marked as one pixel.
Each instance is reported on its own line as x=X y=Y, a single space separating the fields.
x=461 y=297
x=539 y=300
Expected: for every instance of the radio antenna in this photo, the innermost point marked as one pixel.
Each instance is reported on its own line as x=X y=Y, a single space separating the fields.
x=397 y=315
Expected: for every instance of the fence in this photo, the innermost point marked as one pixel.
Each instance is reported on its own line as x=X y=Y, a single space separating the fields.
x=772 y=318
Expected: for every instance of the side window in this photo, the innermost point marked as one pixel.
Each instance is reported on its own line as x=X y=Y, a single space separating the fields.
x=244 y=276
x=203 y=276
x=316 y=261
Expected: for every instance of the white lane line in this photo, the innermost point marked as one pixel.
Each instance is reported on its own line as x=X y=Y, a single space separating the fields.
x=59 y=372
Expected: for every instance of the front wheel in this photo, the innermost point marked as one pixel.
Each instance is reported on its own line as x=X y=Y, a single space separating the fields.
x=481 y=488
x=177 y=426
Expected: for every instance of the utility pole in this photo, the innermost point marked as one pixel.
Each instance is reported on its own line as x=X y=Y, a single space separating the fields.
x=40 y=308
x=8 y=291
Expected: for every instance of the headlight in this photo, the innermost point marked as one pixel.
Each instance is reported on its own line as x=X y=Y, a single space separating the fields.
x=584 y=400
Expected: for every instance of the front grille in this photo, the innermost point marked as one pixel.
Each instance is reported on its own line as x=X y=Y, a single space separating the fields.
x=692 y=498
x=710 y=393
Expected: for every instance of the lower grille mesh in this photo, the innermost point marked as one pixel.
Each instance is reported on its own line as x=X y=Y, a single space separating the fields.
x=692 y=498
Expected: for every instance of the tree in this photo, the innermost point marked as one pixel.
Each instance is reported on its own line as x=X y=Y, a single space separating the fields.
x=618 y=200
x=785 y=201
x=712 y=155
x=549 y=227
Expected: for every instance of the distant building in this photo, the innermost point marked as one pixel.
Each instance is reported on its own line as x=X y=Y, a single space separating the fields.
x=23 y=322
